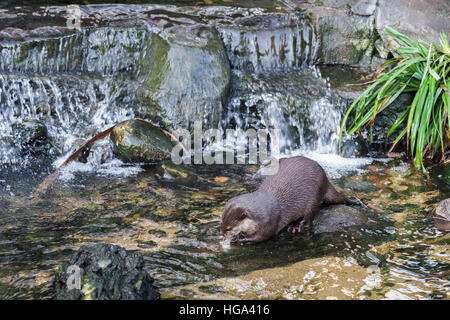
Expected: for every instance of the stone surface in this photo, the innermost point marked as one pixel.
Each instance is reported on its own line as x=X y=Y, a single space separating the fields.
x=338 y=217
x=417 y=19
x=268 y=42
x=136 y=141
x=106 y=272
x=185 y=77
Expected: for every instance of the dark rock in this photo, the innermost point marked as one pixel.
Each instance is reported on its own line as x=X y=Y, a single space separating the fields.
x=106 y=272
x=104 y=51
x=136 y=141
x=337 y=218
x=345 y=38
x=358 y=7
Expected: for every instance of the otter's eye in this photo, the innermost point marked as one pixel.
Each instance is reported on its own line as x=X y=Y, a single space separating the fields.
x=243 y=215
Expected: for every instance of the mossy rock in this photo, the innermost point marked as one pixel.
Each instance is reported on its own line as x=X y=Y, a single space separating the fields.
x=104 y=272
x=185 y=76
x=136 y=141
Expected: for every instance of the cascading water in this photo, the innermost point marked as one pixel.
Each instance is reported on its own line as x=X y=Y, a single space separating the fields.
x=83 y=82
x=71 y=84
x=298 y=103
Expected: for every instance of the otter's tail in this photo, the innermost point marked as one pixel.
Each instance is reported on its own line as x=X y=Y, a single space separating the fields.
x=333 y=197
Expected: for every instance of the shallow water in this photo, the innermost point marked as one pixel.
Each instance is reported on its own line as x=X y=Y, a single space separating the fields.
x=172 y=217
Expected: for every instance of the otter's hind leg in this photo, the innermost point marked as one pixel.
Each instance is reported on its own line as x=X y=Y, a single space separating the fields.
x=333 y=197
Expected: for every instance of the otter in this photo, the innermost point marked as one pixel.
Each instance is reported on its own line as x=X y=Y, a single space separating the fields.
x=294 y=192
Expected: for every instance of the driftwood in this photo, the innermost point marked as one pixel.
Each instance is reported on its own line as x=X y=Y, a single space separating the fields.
x=47 y=183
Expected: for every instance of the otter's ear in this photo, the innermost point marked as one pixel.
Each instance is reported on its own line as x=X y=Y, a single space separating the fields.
x=243 y=214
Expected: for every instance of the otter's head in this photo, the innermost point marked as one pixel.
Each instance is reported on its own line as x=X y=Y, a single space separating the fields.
x=249 y=218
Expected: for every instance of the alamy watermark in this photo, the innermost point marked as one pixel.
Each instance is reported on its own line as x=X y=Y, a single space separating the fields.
x=237 y=146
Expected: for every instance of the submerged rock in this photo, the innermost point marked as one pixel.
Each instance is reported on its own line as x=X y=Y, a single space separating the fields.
x=185 y=77
x=104 y=272
x=338 y=217
x=136 y=141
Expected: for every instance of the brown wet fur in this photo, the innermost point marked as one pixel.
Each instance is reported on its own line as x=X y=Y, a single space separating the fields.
x=295 y=192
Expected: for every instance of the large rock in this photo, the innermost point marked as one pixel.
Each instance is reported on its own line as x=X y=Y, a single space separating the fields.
x=337 y=218
x=136 y=141
x=420 y=20
x=345 y=30
x=185 y=76
x=352 y=32
x=104 y=272
x=345 y=39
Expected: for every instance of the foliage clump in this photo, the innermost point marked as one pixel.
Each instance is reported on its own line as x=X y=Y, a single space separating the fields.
x=421 y=70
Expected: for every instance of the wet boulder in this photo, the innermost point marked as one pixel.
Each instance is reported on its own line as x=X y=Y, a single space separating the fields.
x=337 y=218
x=137 y=141
x=442 y=215
x=185 y=76
x=104 y=272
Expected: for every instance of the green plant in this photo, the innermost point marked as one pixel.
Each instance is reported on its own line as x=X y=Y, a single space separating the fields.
x=423 y=71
